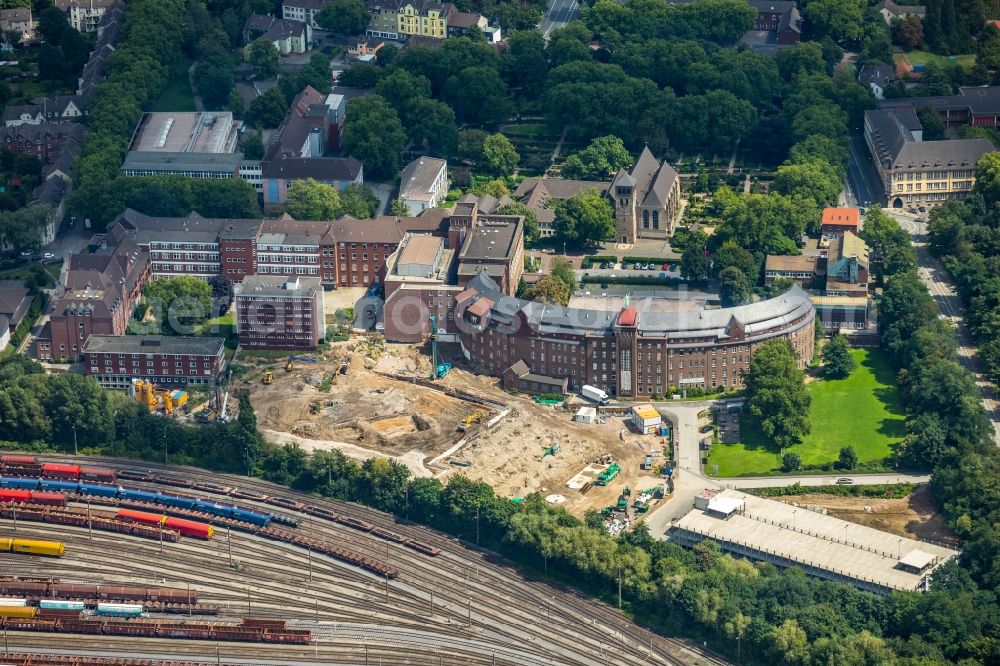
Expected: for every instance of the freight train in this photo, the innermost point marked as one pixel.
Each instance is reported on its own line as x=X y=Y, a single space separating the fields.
x=54 y=590
x=22 y=465
x=32 y=547
x=8 y=495
x=185 y=527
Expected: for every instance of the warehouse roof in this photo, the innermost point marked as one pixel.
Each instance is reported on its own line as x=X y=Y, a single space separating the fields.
x=817 y=542
x=417 y=181
x=154 y=344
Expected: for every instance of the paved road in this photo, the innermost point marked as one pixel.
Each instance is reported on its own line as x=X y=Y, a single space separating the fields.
x=559 y=13
x=938 y=281
x=689 y=479
x=863 y=184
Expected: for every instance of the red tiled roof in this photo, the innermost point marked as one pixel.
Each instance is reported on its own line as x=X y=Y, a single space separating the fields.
x=628 y=317
x=843 y=217
x=481 y=307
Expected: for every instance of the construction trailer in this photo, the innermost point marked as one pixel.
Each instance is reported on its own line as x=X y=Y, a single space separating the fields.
x=646 y=420
x=586 y=415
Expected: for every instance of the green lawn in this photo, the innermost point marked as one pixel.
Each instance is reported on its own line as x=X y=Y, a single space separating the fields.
x=862 y=411
x=176 y=95
x=224 y=326
x=924 y=57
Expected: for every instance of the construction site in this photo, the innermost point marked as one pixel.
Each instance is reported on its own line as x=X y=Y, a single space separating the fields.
x=367 y=398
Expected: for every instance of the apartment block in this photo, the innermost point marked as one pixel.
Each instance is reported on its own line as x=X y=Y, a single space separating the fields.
x=167 y=361
x=280 y=312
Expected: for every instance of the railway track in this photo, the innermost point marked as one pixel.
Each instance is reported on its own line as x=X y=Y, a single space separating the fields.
x=465 y=597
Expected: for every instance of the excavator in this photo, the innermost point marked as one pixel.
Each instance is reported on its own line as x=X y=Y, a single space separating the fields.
x=268 y=376
x=288 y=365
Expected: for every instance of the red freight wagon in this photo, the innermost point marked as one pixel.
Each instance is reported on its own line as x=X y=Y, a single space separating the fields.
x=14 y=459
x=50 y=499
x=140 y=516
x=97 y=474
x=14 y=495
x=60 y=471
x=190 y=528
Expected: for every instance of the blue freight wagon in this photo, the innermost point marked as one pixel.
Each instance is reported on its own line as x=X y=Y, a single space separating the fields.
x=59 y=486
x=252 y=517
x=119 y=610
x=139 y=495
x=59 y=604
x=21 y=484
x=98 y=490
x=178 y=501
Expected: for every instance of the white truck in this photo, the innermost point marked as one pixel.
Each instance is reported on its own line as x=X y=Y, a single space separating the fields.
x=595 y=394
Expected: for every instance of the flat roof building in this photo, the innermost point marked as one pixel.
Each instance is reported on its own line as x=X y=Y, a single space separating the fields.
x=821 y=545
x=424 y=184
x=279 y=312
x=115 y=360
x=186 y=132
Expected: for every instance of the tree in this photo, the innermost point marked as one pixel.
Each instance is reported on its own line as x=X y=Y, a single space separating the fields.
x=550 y=289
x=478 y=95
x=399 y=208
x=222 y=294
x=52 y=23
x=253 y=145
x=432 y=123
x=563 y=269
x=848 y=458
x=734 y=287
x=586 y=218
x=840 y=19
x=51 y=63
x=599 y=161
x=359 y=201
x=500 y=154
x=909 y=33
x=524 y=63
x=790 y=462
x=268 y=110
x=530 y=219
x=730 y=254
x=235 y=103
x=263 y=57
x=374 y=134
x=179 y=303
x=934 y=127
x=315 y=73
x=309 y=199
x=837 y=359
x=695 y=263
x=776 y=393
x=343 y=17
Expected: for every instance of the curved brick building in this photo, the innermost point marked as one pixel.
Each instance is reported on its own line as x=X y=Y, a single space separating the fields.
x=630 y=353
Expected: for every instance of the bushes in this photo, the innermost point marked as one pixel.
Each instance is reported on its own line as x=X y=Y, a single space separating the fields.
x=650 y=281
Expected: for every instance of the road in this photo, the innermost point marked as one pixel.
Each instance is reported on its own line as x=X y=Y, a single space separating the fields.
x=689 y=479
x=933 y=274
x=559 y=13
x=862 y=185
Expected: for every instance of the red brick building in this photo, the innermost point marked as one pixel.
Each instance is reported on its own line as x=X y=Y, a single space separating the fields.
x=174 y=361
x=280 y=312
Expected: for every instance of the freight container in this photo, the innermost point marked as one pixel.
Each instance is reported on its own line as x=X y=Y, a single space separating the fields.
x=178 y=501
x=33 y=547
x=140 y=516
x=59 y=486
x=97 y=474
x=98 y=490
x=13 y=602
x=48 y=499
x=14 y=495
x=18 y=482
x=16 y=459
x=139 y=495
x=61 y=471
x=18 y=611
x=179 y=397
x=61 y=604
x=190 y=527
x=119 y=610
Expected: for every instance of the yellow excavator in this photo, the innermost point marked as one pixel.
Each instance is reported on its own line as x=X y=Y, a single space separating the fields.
x=288 y=366
x=268 y=377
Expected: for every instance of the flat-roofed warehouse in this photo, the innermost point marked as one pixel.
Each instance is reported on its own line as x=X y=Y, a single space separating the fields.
x=820 y=545
x=186 y=132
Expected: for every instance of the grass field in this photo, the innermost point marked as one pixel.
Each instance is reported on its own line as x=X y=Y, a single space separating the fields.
x=176 y=96
x=924 y=57
x=862 y=411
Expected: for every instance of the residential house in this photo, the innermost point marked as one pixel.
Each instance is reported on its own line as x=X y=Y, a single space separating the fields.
x=780 y=17
x=890 y=11
x=365 y=49
x=278 y=176
x=85 y=15
x=461 y=22
x=977 y=106
x=646 y=198
x=18 y=20
x=280 y=312
x=15 y=301
x=920 y=172
x=803 y=269
x=166 y=361
x=302 y=10
x=46 y=109
x=288 y=36
x=424 y=184
x=877 y=77
x=540 y=195
x=837 y=221
x=101 y=291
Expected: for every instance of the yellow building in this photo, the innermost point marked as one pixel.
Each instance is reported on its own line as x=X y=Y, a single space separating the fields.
x=916 y=172
x=409 y=18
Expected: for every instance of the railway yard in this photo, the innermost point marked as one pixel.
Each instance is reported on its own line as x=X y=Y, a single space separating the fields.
x=413 y=597
x=376 y=409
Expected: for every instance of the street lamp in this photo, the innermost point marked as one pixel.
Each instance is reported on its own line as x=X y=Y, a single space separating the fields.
x=76 y=451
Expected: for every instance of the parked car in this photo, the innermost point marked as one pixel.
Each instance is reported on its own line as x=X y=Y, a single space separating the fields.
x=922 y=209
x=637 y=266
x=604 y=285
x=665 y=267
x=844 y=481
x=48 y=256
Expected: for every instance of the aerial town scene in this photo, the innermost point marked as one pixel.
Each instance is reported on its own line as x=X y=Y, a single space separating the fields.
x=499 y=332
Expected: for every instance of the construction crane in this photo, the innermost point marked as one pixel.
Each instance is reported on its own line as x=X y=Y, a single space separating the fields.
x=438 y=369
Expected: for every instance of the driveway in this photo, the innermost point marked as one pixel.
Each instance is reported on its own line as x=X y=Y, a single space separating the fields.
x=689 y=480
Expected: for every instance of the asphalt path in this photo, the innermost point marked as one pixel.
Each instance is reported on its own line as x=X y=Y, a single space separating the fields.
x=863 y=184
x=559 y=13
